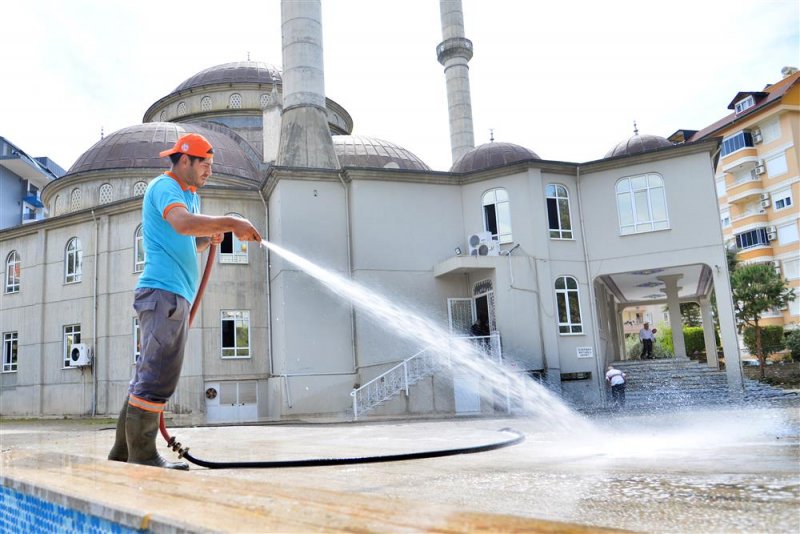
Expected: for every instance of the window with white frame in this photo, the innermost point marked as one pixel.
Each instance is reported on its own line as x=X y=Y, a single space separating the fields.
x=641 y=204
x=794 y=307
x=137 y=340
x=10 y=347
x=782 y=199
x=744 y=104
x=235 y=334
x=558 y=216
x=776 y=165
x=791 y=269
x=73 y=261
x=235 y=101
x=752 y=238
x=231 y=250
x=770 y=131
x=138 y=250
x=497 y=214
x=725 y=217
x=106 y=194
x=13 y=267
x=788 y=234
x=735 y=142
x=722 y=189
x=569 y=307
x=72 y=335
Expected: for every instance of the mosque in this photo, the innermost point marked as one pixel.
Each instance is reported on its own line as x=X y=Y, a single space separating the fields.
x=547 y=254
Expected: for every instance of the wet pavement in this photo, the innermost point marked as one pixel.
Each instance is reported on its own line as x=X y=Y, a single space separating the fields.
x=720 y=470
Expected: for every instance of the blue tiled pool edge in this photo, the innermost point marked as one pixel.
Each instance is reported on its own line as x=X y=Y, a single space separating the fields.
x=29 y=508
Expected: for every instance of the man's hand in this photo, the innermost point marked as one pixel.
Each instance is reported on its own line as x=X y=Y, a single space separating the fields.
x=216 y=239
x=245 y=231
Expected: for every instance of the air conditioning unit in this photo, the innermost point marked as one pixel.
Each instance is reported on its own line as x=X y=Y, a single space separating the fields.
x=80 y=355
x=757 y=137
x=760 y=169
x=764 y=196
x=772 y=233
x=482 y=244
x=765 y=203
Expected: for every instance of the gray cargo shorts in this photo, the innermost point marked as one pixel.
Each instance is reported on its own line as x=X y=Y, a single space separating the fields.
x=164 y=327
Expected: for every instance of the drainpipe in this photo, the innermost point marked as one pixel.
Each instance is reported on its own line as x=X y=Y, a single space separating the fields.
x=94 y=315
x=269 y=285
x=350 y=266
x=598 y=364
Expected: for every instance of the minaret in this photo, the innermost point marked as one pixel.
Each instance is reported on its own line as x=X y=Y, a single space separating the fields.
x=305 y=137
x=454 y=52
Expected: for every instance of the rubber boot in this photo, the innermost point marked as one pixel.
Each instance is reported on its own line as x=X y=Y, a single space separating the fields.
x=119 y=452
x=141 y=428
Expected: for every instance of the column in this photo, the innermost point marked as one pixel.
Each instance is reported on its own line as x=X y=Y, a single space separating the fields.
x=671 y=289
x=708 y=333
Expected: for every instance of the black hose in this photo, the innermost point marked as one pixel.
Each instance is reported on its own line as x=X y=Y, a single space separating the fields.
x=317 y=462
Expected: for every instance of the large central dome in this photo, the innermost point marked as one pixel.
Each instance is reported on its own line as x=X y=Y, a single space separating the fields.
x=237 y=72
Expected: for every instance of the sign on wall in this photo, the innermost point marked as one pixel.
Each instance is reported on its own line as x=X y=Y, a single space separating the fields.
x=585 y=352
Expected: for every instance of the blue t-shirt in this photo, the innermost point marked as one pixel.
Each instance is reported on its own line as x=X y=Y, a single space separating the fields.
x=170 y=258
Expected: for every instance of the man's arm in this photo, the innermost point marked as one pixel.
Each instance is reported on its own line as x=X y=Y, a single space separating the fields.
x=198 y=225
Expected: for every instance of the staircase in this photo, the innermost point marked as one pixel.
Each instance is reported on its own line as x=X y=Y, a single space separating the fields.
x=670 y=382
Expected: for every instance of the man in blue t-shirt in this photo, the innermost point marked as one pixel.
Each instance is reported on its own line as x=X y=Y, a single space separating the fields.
x=174 y=232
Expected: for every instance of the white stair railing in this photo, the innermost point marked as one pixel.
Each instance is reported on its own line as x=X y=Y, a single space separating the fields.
x=410 y=371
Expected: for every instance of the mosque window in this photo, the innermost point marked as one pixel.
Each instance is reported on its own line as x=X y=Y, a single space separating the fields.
x=231 y=250
x=205 y=103
x=58 y=205
x=139 y=188
x=10 y=344
x=641 y=204
x=569 y=306
x=106 y=194
x=558 y=212
x=13 y=265
x=264 y=100
x=73 y=261
x=72 y=335
x=138 y=250
x=235 y=101
x=75 y=200
x=497 y=214
x=181 y=108
x=235 y=334
x=163 y=115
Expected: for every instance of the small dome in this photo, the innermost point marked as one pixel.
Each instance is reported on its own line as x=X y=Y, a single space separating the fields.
x=359 y=151
x=489 y=155
x=636 y=144
x=238 y=72
x=138 y=147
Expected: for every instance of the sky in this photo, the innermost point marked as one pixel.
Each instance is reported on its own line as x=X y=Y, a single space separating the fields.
x=566 y=78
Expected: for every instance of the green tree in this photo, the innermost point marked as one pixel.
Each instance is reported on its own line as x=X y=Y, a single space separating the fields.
x=772 y=340
x=793 y=344
x=757 y=288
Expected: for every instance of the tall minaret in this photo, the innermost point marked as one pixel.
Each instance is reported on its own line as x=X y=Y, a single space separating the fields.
x=454 y=52
x=305 y=137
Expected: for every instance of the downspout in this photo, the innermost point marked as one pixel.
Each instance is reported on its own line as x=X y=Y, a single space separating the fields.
x=598 y=364
x=94 y=316
x=269 y=285
x=350 y=266
x=535 y=292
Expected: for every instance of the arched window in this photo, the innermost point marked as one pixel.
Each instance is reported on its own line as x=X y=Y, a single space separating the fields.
x=205 y=103
x=58 y=205
x=106 y=194
x=641 y=204
x=235 y=101
x=13 y=265
x=558 y=212
x=75 y=200
x=163 y=115
x=73 y=261
x=231 y=250
x=181 y=108
x=569 y=306
x=497 y=214
x=139 y=188
x=138 y=250
x=264 y=100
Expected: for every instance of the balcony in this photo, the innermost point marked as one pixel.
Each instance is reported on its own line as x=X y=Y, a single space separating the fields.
x=754 y=216
x=743 y=159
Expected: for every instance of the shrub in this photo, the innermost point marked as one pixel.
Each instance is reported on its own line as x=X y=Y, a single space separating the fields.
x=771 y=339
x=793 y=344
x=694 y=340
x=633 y=348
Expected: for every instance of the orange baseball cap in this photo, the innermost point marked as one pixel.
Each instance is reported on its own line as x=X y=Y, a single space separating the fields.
x=191 y=144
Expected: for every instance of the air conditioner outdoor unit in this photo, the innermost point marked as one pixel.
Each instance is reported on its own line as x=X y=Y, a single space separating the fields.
x=757 y=137
x=764 y=196
x=765 y=203
x=80 y=355
x=772 y=233
x=482 y=244
x=760 y=169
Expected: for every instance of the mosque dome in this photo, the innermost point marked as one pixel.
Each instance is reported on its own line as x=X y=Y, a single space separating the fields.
x=234 y=73
x=636 y=144
x=489 y=155
x=360 y=151
x=138 y=147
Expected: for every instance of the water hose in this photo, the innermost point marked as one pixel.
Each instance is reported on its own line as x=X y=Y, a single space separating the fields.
x=183 y=452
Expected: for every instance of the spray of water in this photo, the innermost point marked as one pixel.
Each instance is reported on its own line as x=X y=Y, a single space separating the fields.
x=533 y=398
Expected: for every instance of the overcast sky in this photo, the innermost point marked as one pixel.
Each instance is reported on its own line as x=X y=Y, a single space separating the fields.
x=563 y=78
